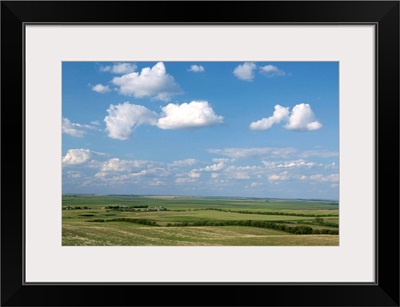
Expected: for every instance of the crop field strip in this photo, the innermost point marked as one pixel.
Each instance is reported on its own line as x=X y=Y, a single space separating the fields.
x=182 y=221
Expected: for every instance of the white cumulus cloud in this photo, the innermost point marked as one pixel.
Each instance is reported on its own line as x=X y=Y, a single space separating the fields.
x=77 y=156
x=120 y=68
x=271 y=71
x=302 y=118
x=279 y=114
x=123 y=118
x=75 y=129
x=152 y=82
x=196 y=68
x=100 y=88
x=188 y=115
x=245 y=71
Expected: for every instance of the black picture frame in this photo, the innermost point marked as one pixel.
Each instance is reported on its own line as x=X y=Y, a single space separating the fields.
x=383 y=14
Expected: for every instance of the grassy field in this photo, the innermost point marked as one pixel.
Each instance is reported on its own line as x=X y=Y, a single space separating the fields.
x=97 y=220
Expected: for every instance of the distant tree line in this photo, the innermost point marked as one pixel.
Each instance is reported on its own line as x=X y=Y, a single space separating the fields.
x=268 y=212
x=123 y=207
x=129 y=220
x=136 y=207
x=75 y=208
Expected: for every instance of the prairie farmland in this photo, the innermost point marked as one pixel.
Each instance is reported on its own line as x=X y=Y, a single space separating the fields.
x=126 y=220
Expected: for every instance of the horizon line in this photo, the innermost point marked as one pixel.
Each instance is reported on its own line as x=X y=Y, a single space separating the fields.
x=200 y=196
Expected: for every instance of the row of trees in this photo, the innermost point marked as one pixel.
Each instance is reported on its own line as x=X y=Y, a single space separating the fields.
x=320 y=221
x=268 y=212
x=75 y=208
x=129 y=220
x=124 y=207
x=259 y=224
x=249 y=223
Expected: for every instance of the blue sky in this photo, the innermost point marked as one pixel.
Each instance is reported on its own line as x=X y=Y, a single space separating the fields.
x=248 y=129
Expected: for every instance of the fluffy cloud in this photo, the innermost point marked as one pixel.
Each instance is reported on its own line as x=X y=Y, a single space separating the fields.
x=119 y=170
x=273 y=172
x=152 y=82
x=268 y=152
x=196 y=68
x=214 y=167
x=123 y=118
x=222 y=167
x=127 y=177
x=75 y=129
x=245 y=71
x=120 y=68
x=279 y=114
x=257 y=152
x=300 y=163
x=213 y=175
x=197 y=173
x=118 y=165
x=188 y=115
x=100 y=88
x=77 y=156
x=271 y=71
x=302 y=118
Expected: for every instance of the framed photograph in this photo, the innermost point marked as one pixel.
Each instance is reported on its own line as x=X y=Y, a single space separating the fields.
x=250 y=147
x=162 y=173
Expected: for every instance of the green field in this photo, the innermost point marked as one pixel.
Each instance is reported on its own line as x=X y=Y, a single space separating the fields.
x=99 y=220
